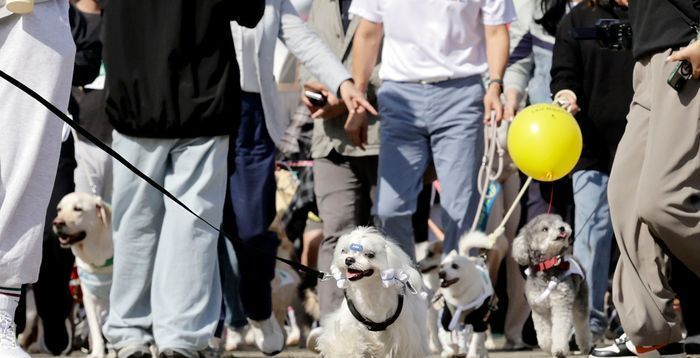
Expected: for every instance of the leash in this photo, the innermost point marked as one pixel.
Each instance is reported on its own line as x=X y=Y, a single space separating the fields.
x=82 y=131
x=486 y=173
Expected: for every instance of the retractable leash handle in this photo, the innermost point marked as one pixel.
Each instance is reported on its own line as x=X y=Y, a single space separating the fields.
x=82 y=131
x=20 y=7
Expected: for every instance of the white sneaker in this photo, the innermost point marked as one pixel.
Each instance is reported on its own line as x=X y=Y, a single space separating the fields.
x=8 y=341
x=268 y=336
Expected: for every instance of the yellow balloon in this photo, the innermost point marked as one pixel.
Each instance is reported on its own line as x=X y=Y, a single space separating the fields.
x=545 y=142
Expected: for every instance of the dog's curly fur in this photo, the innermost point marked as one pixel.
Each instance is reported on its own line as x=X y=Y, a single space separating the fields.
x=543 y=238
x=343 y=335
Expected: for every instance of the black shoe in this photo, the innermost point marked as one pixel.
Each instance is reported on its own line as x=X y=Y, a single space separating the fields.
x=692 y=348
x=177 y=353
x=622 y=347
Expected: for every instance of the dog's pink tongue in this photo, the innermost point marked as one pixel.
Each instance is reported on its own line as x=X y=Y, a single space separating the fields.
x=353 y=274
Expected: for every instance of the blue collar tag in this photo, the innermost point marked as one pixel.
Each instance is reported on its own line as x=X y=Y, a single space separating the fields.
x=356 y=247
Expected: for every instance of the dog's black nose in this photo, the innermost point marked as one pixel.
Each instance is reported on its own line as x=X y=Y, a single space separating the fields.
x=59 y=224
x=562 y=229
x=349 y=261
x=442 y=274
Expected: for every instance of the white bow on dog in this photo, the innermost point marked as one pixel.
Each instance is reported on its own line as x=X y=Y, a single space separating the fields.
x=394 y=277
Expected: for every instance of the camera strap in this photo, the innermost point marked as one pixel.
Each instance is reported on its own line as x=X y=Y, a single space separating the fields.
x=684 y=16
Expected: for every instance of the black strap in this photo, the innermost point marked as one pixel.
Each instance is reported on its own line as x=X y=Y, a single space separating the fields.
x=82 y=131
x=371 y=325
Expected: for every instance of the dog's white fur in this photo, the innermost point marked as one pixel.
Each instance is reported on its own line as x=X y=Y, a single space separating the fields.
x=344 y=336
x=545 y=237
x=468 y=286
x=84 y=224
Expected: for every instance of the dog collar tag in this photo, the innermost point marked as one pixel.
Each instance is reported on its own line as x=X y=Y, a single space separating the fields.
x=356 y=247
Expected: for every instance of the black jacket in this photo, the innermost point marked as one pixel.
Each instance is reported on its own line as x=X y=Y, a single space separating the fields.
x=602 y=81
x=658 y=25
x=171 y=67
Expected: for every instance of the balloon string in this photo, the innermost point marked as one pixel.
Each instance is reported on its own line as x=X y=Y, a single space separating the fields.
x=551 y=198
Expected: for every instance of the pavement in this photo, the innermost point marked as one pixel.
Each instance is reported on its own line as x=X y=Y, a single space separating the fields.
x=303 y=353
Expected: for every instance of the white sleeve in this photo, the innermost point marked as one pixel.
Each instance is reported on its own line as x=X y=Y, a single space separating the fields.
x=367 y=9
x=497 y=12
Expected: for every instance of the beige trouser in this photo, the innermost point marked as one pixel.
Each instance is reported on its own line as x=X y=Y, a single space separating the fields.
x=518 y=310
x=654 y=195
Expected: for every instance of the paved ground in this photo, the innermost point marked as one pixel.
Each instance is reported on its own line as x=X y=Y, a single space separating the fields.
x=303 y=353
x=298 y=353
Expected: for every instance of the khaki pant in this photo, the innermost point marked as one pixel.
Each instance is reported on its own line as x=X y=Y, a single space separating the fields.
x=654 y=195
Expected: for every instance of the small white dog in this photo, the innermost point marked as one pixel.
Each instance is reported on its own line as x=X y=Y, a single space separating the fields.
x=467 y=290
x=83 y=223
x=555 y=286
x=383 y=314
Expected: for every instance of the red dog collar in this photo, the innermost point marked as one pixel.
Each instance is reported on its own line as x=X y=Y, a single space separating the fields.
x=545 y=265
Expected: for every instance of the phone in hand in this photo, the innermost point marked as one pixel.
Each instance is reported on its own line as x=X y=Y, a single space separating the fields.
x=316 y=98
x=681 y=73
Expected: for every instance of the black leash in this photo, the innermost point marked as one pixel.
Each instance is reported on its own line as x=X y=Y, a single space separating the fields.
x=371 y=325
x=82 y=131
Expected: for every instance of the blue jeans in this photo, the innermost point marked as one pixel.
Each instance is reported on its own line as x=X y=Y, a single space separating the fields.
x=249 y=211
x=165 y=285
x=442 y=121
x=593 y=241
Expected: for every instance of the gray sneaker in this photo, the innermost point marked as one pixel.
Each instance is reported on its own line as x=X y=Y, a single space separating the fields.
x=135 y=351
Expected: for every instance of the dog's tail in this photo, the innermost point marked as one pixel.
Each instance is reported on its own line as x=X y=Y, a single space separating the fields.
x=474 y=240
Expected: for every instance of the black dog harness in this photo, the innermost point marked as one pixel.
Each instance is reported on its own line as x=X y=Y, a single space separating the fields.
x=371 y=325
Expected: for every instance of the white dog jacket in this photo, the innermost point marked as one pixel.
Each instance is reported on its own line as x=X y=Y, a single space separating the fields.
x=573 y=268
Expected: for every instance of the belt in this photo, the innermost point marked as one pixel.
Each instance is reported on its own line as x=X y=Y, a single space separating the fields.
x=431 y=80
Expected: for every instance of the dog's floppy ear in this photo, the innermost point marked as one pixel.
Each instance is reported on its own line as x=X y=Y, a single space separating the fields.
x=520 y=250
x=103 y=211
x=452 y=253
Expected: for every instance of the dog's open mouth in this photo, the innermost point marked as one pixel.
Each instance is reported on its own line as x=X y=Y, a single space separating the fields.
x=562 y=236
x=354 y=275
x=428 y=269
x=67 y=240
x=448 y=283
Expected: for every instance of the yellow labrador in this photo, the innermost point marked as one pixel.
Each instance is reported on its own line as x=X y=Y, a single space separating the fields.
x=83 y=224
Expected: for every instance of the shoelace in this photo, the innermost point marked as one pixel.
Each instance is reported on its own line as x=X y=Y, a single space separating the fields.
x=7 y=331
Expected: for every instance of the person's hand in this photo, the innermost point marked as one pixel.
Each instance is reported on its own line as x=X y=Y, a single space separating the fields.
x=624 y=3
x=690 y=53
x=510 y=109
x=356 y=128
x=567 y=100
x=334 y=107
x=354 y=99
x=492 y=103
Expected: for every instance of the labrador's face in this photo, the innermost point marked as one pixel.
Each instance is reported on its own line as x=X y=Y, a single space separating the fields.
x=77 y=215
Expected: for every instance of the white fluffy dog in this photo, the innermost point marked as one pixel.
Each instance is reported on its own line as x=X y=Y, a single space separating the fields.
x=467 y=290
x=380 y=316
x=83 y=223
x=555 y=285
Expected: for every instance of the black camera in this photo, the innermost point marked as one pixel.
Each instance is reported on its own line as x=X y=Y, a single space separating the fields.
x=612 y=34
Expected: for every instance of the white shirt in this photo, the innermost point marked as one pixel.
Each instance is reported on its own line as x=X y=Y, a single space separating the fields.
x=246 y=54
x=427 y=39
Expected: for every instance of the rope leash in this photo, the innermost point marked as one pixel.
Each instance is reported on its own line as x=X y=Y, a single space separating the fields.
x=82 y=131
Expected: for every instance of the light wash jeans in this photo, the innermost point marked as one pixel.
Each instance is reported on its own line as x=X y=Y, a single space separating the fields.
x=166 y=286
x=444 y=121
x=593 y=241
